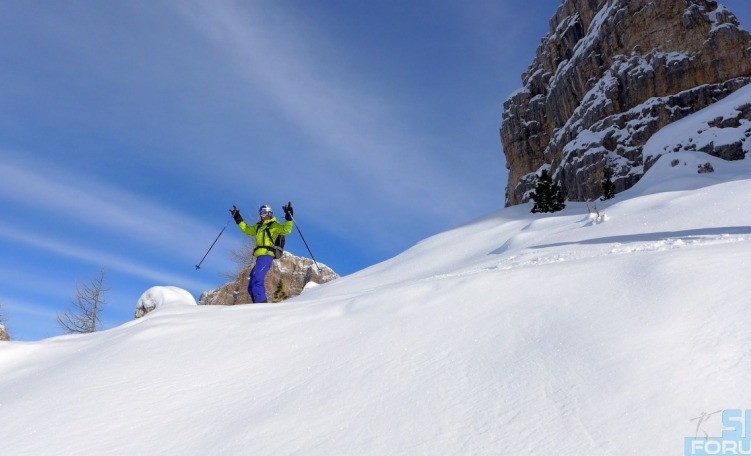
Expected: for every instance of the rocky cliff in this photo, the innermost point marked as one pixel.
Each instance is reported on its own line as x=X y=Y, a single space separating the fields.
x=4 y=334
x=287 y=278
x=611 y=73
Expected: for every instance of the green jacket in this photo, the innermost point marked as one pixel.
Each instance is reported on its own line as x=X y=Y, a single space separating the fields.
x=262 y=234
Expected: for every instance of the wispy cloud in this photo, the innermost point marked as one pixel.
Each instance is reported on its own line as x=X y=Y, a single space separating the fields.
x=361 y=147
x=78 y=217
x=52 y=194
x=97 y=257
x=16 y=307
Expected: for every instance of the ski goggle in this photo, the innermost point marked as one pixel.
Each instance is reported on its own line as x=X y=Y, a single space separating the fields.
x=264 y=212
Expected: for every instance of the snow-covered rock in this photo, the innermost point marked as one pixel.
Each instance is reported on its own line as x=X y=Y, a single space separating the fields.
x=161 y=297
x=722 y=129
x=608 y=76
x=287 y=278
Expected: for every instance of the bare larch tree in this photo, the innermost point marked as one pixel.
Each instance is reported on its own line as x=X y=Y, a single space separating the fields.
x=83 y=316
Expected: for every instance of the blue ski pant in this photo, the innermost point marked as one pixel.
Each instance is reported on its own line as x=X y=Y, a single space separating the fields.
x=256 y=287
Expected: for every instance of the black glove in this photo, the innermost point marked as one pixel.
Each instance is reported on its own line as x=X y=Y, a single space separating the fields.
x=236 y=214
x=288 y=211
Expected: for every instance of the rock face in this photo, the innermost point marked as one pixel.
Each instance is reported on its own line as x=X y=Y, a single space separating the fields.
x=606 y=78
x=286 y=279
x=4 y=334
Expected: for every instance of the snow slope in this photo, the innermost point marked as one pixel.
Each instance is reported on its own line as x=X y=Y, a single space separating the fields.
x=516 y=334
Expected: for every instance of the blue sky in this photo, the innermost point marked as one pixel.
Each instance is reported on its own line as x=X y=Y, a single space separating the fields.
x=127 y=130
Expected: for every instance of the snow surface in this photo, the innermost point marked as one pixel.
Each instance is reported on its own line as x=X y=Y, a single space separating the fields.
x=517 y=334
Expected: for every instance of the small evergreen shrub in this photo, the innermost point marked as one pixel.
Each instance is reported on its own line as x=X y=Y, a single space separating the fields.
x=608 y=187
x=706 y=168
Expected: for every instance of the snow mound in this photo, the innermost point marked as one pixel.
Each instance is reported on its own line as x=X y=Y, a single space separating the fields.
x=163 y=297
x=310 y=285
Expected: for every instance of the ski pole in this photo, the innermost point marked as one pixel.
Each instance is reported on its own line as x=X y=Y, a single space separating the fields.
x=198 y=266
x=306 y=244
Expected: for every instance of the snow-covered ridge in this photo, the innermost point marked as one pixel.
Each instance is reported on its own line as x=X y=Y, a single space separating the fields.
x=724 y=124
x=519 y=333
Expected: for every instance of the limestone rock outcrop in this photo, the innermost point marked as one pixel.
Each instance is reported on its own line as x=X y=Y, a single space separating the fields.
x=287 y=278
x=610 y=74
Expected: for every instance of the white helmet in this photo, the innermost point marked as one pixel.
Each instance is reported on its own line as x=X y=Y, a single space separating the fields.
x=265 y=210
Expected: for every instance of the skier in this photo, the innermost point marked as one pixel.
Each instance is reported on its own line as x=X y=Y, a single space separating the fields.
x=266 y=232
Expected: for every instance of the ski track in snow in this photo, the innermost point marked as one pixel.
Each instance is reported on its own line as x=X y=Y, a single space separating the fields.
x=546 y=254
x=530 y=258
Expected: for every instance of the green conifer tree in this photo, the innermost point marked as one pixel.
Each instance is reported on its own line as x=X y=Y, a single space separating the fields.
x=547 y=195
x=608 y=187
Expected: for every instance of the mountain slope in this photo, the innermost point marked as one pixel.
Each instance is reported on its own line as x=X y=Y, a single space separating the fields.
x=515 y=334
